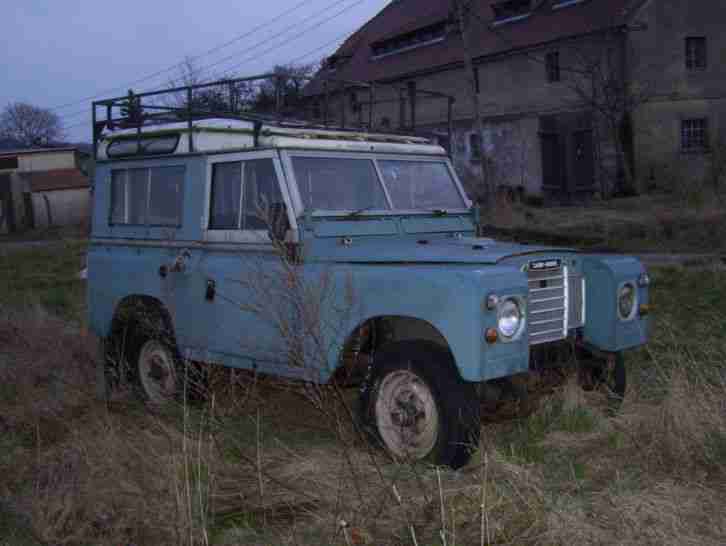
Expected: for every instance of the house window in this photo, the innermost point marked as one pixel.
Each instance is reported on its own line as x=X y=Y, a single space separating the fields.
x=147 y=197
x=696 y=53
x=475 y=146
x=694 y=135
x=427 y=35
x=552 y=64
x=511 y=10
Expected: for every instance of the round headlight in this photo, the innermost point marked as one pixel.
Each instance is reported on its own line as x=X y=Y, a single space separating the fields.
x=509 y=318
x=627 y=297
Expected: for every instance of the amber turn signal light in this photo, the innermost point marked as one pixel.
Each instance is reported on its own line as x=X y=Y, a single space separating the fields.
x=643 y=309
x=491 y=335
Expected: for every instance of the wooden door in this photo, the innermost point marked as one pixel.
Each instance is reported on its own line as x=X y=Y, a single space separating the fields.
x=7 y=212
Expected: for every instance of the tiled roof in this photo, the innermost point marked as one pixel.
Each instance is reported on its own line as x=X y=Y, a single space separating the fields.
x=58 y=179
x=544 y=25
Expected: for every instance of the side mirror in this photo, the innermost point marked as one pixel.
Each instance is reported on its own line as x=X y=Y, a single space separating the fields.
x=279 y=222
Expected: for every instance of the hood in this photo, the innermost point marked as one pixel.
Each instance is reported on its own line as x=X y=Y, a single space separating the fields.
x=425 y=250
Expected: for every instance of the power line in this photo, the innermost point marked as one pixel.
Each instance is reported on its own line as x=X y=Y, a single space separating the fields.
x=292 y=61
x=174 y=66
x=282 y=32
x=262 y=43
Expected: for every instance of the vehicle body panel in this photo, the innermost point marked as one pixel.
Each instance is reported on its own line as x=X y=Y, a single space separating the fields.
x=424 y=267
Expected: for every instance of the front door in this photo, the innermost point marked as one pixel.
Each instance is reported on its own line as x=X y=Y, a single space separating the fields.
x=239 y=318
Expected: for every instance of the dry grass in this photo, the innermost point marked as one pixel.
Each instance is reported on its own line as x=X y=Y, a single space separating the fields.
x=271 y=462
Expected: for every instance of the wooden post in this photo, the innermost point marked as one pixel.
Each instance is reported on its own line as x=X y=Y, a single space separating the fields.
x=371 y=103
x=190 y=127
x=469 y=68
x=401 y=109
x=450 y=123
x=412 y=103
x=326 y=91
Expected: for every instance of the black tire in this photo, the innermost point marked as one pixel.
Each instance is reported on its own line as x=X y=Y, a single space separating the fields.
x=607 y=374
x=422 y=379
x=613 y=378
x=144 y=329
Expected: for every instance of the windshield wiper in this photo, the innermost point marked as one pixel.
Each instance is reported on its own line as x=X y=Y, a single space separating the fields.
x=440 y=212
x=359 y=211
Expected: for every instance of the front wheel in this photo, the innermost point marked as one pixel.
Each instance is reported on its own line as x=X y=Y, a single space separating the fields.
x=419 y=407
x=607 y=374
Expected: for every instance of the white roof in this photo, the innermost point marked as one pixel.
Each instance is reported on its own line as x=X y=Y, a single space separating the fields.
x=214 y=135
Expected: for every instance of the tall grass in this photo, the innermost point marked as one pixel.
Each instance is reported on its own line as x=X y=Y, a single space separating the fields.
x=263 y=461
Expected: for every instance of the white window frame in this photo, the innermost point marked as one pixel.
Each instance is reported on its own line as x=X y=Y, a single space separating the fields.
x=299 y=207
x=254 y=236
x=126 y=197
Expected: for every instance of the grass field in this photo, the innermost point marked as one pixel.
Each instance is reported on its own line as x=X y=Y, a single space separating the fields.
x=648 y=223
x=263 y=462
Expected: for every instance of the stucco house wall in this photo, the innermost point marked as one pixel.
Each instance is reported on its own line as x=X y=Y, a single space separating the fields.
x=642 y=42
x=678 y=93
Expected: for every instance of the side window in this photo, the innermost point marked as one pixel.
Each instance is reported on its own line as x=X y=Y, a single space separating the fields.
x=260 y=191
x=165 y=196
x=242 y=193
x=147 y=197
x=226 y=196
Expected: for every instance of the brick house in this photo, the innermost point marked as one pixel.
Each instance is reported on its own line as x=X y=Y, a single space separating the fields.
x=551 y=77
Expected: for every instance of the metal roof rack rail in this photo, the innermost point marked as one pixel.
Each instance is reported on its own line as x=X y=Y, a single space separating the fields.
x=235 y=99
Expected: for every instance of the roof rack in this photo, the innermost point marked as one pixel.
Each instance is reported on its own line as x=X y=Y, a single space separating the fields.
x=233 y=99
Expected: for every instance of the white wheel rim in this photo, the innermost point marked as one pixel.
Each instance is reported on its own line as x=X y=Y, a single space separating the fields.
x=406 y=415
x=157 y=372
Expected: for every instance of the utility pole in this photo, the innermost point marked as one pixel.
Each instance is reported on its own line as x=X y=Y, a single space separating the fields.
x=461 y=7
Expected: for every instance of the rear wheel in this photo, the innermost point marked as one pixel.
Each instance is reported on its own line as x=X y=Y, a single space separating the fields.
x=157 y=371
x=419 y=408
x=141 y=353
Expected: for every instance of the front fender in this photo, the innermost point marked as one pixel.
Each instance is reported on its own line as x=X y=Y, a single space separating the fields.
x=450 y=300
x=603 y=328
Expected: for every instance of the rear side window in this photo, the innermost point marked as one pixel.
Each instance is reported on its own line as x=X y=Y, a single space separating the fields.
x=242 y=193
x=156 y=145
x=147 y=196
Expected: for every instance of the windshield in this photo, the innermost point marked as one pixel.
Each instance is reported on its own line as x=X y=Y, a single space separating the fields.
x=344 y=184
x=420 y=185
x=338 y=184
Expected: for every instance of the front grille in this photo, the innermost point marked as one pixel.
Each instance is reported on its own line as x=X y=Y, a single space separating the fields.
x=575 y=301
x=556 y=303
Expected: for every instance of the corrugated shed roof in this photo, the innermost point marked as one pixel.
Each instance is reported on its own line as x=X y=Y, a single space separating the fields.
x=57 y=179
x=544 y=25
x=25 y=151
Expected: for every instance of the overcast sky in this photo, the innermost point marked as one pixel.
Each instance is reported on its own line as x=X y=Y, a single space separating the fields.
x=57 y=53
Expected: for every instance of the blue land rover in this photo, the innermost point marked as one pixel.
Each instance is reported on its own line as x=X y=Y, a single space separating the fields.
x=394 y=290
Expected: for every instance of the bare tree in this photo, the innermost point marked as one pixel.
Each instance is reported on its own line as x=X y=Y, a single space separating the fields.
x=30 y=125
x=284 y=91
x=228 y=96
x=600 y=82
